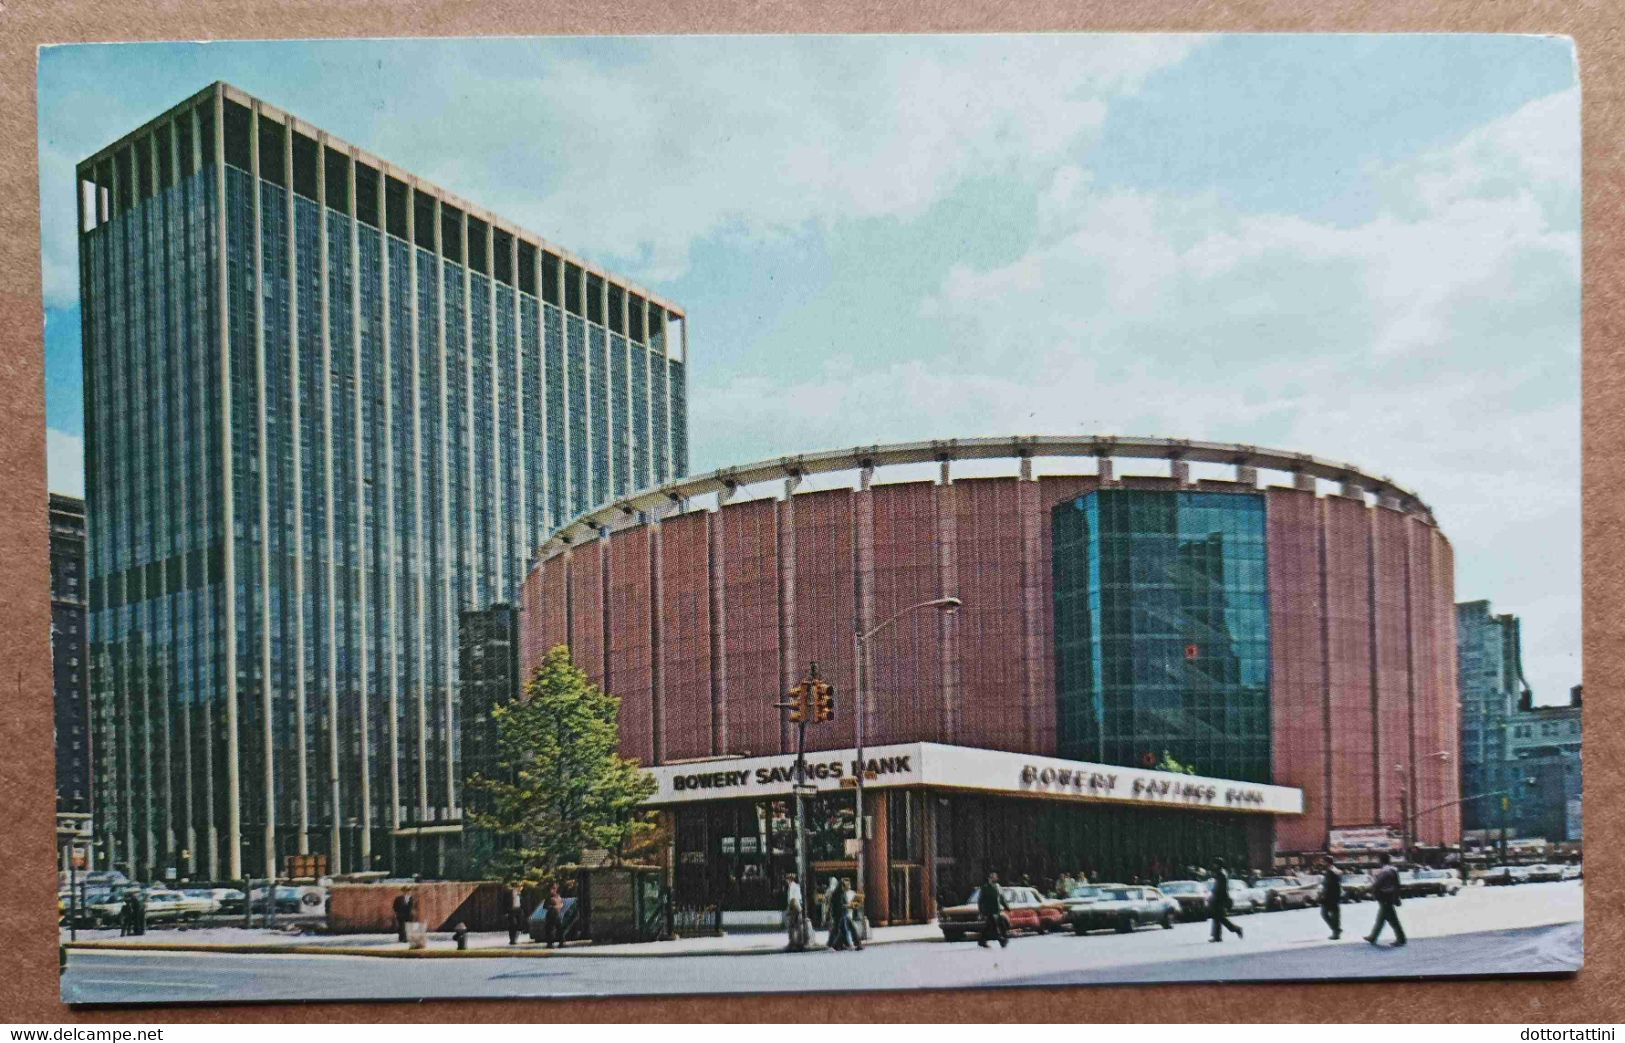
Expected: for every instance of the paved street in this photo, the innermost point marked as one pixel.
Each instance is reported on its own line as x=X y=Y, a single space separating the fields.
x=1532 y=928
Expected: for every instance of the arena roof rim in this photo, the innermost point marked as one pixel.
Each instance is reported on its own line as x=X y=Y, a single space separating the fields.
x=592 y=524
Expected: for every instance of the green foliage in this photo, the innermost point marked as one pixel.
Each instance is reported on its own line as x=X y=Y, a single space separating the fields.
x=1168 y=763
x=561 y=785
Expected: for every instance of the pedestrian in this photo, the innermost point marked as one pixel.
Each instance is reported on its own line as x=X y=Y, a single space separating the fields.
x=553 y=918
x=402 y=908
x=516 y=913
x=126 y=915
x=1385 y=889
x=833 y=905
x=140 y=906
x=1331 y=897
x=795 y=916
x=1064 y=886
x=991 y=904
x=1219 y=903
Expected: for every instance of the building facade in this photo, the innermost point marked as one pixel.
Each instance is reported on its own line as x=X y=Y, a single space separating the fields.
x=1297 y=635
x=328 y=407
x=1543 y=772
x=70 y=654
x=1491 y=685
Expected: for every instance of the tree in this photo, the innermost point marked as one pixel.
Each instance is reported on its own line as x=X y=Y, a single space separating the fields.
x=1168 y=763
x=560 y=785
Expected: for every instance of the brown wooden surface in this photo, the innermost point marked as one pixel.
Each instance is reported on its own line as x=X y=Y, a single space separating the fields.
x=26 y=878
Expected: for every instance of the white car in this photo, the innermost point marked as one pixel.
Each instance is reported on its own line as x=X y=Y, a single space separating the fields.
x=1572 y=872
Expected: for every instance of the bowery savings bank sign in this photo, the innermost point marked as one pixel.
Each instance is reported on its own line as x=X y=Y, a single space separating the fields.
x=965 y=768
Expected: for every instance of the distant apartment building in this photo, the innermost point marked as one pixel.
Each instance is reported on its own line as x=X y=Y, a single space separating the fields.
x=329 y=407
x=69 y=654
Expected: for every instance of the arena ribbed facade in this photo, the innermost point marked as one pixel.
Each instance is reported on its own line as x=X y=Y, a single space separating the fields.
x=1261 y=617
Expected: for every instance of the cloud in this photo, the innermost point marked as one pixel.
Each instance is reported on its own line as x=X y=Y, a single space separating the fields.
x=641 y=158
x=1438 y=341
x=64 y=462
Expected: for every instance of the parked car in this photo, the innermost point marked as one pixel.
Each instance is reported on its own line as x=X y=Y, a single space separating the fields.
x=1193 y=897
x=1029 y=911
x=1419 y=883
x=1288 y=892
x=1356 y=887
x=1573 y=872
x=1545 y=873
x=1505 y=876
x=1123 y=909
x=1244 y=897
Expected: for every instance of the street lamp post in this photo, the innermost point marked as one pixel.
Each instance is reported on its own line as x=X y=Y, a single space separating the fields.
x=860 y=660
x=1407 y=821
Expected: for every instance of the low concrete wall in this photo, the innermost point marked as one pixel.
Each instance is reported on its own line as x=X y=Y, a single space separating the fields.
x=441 y=904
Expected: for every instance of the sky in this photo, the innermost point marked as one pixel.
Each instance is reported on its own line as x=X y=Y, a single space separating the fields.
x=1365 y=248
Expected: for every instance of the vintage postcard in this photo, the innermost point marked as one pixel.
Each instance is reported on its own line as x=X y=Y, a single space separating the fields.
x=1114 y=517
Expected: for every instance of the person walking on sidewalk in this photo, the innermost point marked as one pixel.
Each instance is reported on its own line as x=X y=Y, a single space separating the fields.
x=843 y=932
x=553 y=918
x=1331 y=897
x=795 y=914
x=990 y=902
x=832 y=914
x=1385 y=889
x=516 y=913
x=126 y=915
x=402 y=908
x=1219 y=903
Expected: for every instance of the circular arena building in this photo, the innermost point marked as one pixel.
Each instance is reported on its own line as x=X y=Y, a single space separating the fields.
x=1248 y=653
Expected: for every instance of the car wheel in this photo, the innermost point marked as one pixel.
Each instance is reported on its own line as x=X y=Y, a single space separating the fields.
x=1167 y=921
x=953 y=936
x=1125 y=925
x=1079 y=929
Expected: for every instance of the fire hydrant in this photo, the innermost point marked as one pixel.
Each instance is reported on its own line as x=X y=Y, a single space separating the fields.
x=459 y=934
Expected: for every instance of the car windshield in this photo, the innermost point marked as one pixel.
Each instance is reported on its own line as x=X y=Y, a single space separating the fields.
x=1274 y=881
x=1182 y=887
x=1083 y=892
x=1117 y=894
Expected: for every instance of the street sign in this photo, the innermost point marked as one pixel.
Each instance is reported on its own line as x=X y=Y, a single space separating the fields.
x=805 y=788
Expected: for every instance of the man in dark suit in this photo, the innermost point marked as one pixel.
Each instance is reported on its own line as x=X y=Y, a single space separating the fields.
x=1331 y=897
x=1219 y=903
x=1385 y=889
x=991 y=904
x=403 y=912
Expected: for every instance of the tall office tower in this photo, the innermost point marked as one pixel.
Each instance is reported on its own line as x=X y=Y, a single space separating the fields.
x=1490 y=675
x=328 y=407
x=68 y=654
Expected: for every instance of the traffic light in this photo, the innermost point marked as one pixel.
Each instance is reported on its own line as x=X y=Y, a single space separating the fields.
x=823 y=701
x=798 y=703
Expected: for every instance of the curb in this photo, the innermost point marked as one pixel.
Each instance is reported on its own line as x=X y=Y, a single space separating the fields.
x=495 y=952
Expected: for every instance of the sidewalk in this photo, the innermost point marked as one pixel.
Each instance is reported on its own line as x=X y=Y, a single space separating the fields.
x=484 y=944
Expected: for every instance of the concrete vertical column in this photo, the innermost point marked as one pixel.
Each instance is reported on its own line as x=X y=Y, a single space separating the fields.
x=790 y=665
x=877 y=807
x=719 y=634
x=497 y=588
x=357 y=395
x=548 y=477
x=648 y=452
x=1179 y=471
x=1034 y=647
x=1353 y=489
x=167 y=539
x=657 y=636
x=1303 y=481
x=389 y=528
x=330 y=538
x=1328 y=782
x=267 y=695
x=420 y=602
x=1105 y=471
x=606 y=633
x=609 y=390
x=186 y=491
x=947 y=563
x=1247 y=475
x=470 y=520
x=228 y=523
x=524 y=544
x=566 y=378
x=928 y=854
x=296 y=427
x=1383 y=770
x=448 y=579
